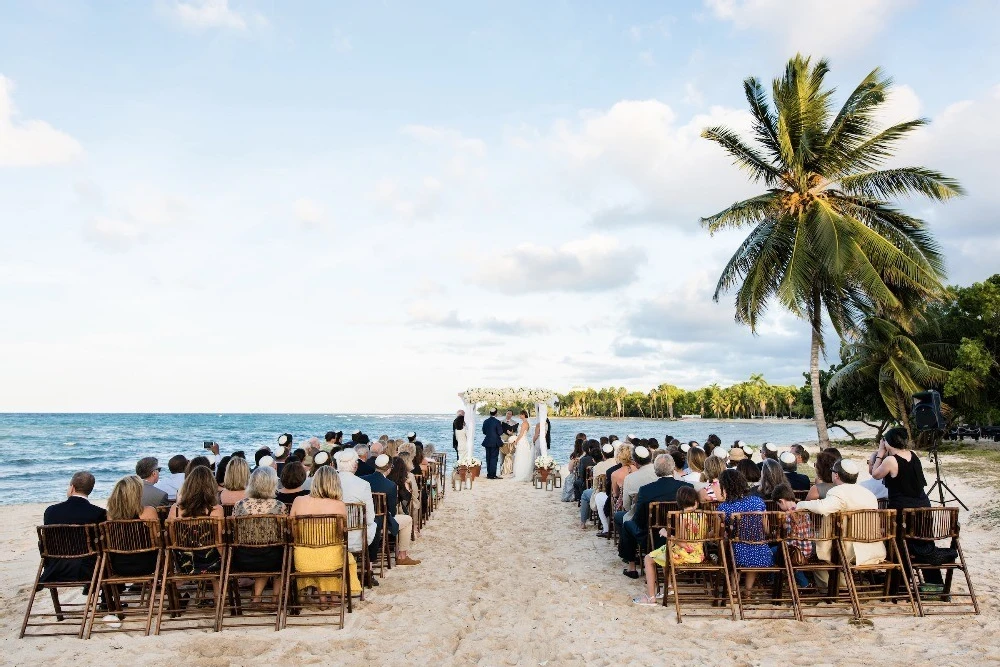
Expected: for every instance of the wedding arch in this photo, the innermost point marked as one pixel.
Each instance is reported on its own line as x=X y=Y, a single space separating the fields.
x=476 y=396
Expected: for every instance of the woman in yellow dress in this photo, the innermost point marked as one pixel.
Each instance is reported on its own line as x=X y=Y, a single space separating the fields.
x=325 y=497
x=680 y=552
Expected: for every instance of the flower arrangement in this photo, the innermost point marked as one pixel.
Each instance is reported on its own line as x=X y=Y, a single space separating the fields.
x=507 y=395
x=545 y=463
x=469 y=462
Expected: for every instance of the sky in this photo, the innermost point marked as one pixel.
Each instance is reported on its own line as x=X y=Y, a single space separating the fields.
x=266 y=206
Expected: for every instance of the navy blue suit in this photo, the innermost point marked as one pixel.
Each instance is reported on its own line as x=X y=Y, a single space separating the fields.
x=380 y=484
x=492 y=429
x=78 y=511
x=634 y=531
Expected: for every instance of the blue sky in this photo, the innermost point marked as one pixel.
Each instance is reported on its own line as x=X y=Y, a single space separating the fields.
x=292 y=206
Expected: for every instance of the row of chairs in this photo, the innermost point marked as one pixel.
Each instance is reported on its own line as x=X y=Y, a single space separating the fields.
x=894 y=585
x=170 y=589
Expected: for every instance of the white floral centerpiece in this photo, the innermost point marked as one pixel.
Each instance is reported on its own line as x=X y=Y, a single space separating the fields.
x=507 y=395
x=469 y=462
x=545 y=463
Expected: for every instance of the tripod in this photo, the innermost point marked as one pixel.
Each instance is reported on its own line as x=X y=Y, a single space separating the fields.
x=939 y=483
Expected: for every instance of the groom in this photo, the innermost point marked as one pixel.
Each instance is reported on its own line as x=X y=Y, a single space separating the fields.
x=492 y=430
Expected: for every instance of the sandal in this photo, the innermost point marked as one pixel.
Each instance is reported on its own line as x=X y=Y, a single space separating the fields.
x=645 y=600
x=631 y=574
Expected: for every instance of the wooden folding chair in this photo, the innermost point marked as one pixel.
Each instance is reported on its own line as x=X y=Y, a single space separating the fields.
x=876 y=597
x=357 y=522
x=657 y=517
x=419 y=499
x=121 y=541
x=801 y=495
x=58 y=546
x=185 y=537
x=710 y=584
x=317 y=532
x=227 y=509
x=762 y=529
x=824 y=531
x=382 y=510
x=247 y=534
x=710 y=505
x=930 y=524
x=600 y=483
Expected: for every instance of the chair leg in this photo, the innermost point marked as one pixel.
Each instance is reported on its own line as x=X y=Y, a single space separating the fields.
x=90 y=613
x=968 y=579
x=31 y=600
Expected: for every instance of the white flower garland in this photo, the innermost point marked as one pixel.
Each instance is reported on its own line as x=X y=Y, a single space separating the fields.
x=507 y=395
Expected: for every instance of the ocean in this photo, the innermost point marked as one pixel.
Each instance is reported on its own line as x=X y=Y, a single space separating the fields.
x=42 y=451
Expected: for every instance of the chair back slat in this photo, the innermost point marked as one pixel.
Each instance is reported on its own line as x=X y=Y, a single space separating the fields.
x=356 y=519
x=756 y=527
x=317 y=532
x=381 y=504
x=131 y=537
x=659 y=514
x=711 y=505
x=868 y=526
x=195 y=533
x=258 y=530
x=67 y=540
x=696 y=526
x=930 y=523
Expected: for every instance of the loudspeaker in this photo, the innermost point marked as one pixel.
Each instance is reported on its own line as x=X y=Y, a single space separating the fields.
x=926 y=413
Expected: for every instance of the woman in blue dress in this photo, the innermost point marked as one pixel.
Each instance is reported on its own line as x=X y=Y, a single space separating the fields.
x=737 y=499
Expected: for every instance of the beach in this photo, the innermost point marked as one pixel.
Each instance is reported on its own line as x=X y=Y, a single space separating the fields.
x=508 y=578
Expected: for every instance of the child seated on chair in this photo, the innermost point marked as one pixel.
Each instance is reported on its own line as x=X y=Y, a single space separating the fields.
x=680 y=552
x=798 y=528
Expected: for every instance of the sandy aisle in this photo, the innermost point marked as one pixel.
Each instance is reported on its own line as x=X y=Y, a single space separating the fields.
x=507 y=578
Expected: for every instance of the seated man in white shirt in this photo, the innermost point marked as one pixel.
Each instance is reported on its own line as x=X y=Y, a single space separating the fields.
x=876 y=486
x=846 y=495
x=357 y=490
x=171 y=483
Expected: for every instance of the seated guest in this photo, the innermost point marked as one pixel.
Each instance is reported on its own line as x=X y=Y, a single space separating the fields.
x=281 y=454
x=696 y=465
x=400 y=525
x=320 y=460
x=293 y=479
x=125 y=504
x=798 y=531
x=148 y=470
x=299 y=455
x=844 y=496
x=406 y=453
x=768 y=450
x=194 y=463
x=824 y=476
x=235 y=483
x=624 y=467
x=326 y=497
x=903 y=476
x=364 y=465
x=260 y=499
x=801 y=454
x=796 y=480
x=680 y=462
x=771 y=477
x=643 y=475
x=680 y=552
x=750 y=471
x=599 y=496
x=663 y=489
x=356 y=490
x=876 y=486
x=260 y=454
x=736 y=499
x=399 y=475
x=198 y=498
x=592 y=454
x=220 y=471
x=737 y=454
x=79 y=511
x=714 y=466
x=170 y=484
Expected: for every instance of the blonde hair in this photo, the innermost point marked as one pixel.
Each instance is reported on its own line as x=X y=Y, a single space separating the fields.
x=237 y=474
x=125 y=501
x=713 y=468
x=696 y=459
x=407 y=449
x=624 y=455
x=392 y=448
x=326 y=484
x=263 y=483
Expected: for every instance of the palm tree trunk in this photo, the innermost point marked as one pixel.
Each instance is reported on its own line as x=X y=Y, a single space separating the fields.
x=817 y=390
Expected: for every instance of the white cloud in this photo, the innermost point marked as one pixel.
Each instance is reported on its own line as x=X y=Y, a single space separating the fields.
x=423 y=314
x=308 y=212
x=420 y=201
x=444 y=136
x=634 y=163
x=815 y=27
x=206 y=14
x=692 y=95
x=120 y=223
x=594 y=264
x=30 y=143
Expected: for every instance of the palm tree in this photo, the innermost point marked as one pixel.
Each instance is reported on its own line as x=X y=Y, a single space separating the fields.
x=882 y=351
x=825 y=237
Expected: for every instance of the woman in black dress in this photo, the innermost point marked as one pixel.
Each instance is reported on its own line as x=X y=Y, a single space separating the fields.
x=261 y=499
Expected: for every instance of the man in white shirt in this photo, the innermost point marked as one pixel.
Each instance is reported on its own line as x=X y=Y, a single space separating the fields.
x=356 y=490
x=876 y=486
x=636 y=480
x=846 y=495
x=171 y=484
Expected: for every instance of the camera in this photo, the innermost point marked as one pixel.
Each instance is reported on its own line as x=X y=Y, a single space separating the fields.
x=208 y=444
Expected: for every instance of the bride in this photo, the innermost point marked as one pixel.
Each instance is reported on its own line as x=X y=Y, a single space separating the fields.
x=524 y=465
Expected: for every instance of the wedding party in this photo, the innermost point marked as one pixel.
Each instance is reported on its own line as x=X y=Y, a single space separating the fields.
x=534 y=334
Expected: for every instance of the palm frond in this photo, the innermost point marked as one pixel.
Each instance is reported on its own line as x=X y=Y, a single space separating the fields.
x=901 y=182
x=764 y=119
x=744 y=156
x=743 y=213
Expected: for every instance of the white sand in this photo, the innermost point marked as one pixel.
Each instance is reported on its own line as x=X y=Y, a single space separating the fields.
x=509 y=578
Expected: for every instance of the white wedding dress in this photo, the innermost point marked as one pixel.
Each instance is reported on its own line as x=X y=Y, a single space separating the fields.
x=524 y=463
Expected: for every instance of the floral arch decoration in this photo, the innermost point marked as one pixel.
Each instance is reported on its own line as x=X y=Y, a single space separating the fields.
x=472 y=397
